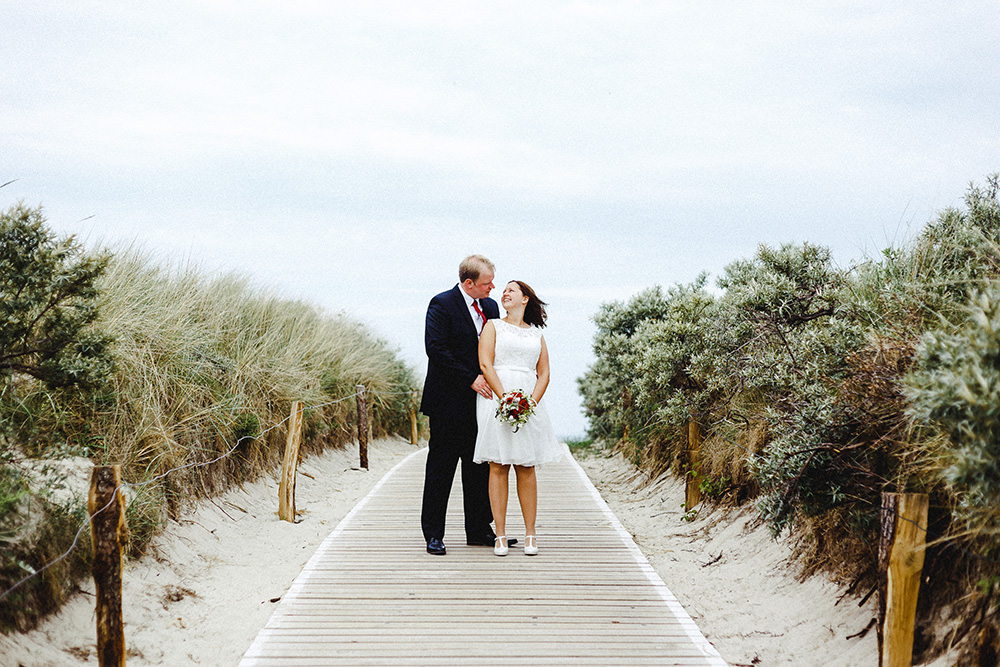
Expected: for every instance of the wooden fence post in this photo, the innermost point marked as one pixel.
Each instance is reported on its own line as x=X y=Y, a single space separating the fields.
x=371 y=420
x=107 y=528
x=901 y=561
x=362 y=426
x=626 y=408
x=286 y=489
x=692 y=480
x=414 y=425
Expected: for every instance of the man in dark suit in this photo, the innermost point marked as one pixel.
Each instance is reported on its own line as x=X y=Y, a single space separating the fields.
x=451 y=337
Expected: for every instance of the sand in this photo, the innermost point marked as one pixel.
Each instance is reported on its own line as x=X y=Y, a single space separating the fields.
x=212 y=579
x=741 y=587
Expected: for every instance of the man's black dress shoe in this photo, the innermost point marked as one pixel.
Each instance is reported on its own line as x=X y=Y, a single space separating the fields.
x=487 y=541
x=436 y=547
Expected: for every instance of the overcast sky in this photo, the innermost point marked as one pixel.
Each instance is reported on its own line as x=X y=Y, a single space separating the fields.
x=351 y=153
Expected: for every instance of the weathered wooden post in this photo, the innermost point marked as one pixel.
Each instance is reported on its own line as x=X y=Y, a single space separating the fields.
x=107 y=528
x=901 y=561
x=363 y=426
x=626 y=408
x=371 y=420
x=286 y=489
x=692 y=480
x=414 y=430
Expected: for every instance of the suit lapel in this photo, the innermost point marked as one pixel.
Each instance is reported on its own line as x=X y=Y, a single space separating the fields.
x=463 y=311
x=490 y=307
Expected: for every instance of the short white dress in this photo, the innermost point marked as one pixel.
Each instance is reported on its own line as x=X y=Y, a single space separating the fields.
x=534 y=443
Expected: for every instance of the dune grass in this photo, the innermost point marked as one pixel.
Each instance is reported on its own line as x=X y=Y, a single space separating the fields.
x=205 y=371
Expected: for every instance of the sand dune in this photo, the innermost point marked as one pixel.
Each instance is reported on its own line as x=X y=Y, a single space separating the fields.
x=211 y=580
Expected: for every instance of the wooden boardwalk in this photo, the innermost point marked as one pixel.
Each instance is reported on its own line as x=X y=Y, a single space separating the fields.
x=371 y=595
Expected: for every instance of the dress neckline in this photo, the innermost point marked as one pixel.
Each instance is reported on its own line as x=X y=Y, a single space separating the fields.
x=514 y=325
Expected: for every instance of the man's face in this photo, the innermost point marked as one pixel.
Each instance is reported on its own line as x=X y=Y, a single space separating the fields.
x=481 y=288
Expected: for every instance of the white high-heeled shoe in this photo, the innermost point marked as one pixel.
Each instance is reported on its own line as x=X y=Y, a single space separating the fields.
x=530 y=545
x=500 y=547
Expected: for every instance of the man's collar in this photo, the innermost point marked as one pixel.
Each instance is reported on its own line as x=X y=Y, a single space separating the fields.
x=468 y=299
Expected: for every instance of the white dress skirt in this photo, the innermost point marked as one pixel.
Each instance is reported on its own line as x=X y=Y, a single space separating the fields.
x=534 y=443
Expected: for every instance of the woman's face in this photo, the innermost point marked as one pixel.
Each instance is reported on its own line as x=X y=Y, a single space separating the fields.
x=513 y=296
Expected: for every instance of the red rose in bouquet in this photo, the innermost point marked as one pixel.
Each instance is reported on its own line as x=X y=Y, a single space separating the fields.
x=514 y=408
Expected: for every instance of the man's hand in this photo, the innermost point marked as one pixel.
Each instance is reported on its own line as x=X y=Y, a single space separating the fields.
x=481 y=387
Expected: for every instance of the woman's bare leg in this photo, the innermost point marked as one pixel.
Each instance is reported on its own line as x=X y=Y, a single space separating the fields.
x=527 y=495
x=499 y=475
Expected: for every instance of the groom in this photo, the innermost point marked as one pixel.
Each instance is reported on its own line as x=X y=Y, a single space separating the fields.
x=451 y=337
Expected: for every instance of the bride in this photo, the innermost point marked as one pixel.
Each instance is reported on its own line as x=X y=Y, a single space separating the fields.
x=513 y=358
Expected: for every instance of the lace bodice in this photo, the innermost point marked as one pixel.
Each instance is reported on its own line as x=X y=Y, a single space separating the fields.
x=517 y=347
x=515 y=360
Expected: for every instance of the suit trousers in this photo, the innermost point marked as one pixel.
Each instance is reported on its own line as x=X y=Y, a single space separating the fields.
x=453 y=439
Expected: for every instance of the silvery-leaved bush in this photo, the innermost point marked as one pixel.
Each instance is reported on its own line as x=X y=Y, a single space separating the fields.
x=956 y=386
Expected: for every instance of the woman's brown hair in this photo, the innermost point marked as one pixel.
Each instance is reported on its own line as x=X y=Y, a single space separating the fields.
x=534 y=310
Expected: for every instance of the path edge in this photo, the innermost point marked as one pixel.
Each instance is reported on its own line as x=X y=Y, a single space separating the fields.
x=690 y=627
x=307 y=569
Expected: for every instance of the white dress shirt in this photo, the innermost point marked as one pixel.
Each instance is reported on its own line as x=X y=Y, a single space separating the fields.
x=478 y=321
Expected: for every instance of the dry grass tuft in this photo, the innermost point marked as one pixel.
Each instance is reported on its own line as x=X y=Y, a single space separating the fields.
x=205 y=371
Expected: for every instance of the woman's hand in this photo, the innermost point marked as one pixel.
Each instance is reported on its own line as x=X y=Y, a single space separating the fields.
x=542 y=372
x=487 y=353
x=482 y=387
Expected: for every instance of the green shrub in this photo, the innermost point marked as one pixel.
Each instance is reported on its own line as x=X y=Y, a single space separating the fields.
x=956 y=387
x=644 y=347
x=833 y=385
x=607 y=386
x=47 y=304
x=39 y=533
x=14 y=492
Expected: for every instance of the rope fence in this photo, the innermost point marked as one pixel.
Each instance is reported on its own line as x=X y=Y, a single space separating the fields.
x=114 y=494
x=902 y=546
x=937 y=540
x=903 y=541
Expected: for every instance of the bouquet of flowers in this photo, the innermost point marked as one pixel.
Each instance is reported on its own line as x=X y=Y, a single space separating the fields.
x=514 y=408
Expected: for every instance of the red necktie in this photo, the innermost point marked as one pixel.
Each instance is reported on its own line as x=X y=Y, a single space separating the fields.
x=475 y=304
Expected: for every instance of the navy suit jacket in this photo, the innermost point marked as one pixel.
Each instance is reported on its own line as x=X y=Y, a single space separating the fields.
x=452 y=345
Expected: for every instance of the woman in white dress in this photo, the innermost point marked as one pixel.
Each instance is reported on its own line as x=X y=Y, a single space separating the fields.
x=513 y=356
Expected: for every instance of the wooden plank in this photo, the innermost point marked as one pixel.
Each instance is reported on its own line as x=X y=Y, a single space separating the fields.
x=417 y=658
x=372 y=595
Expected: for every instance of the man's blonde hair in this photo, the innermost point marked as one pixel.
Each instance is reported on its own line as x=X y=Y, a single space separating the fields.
x=472 y=266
